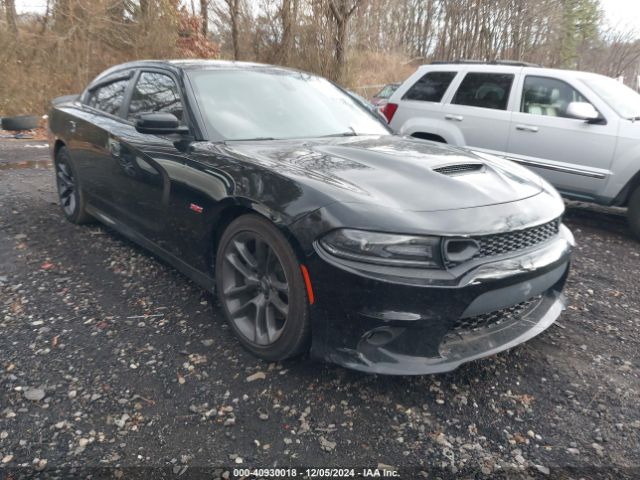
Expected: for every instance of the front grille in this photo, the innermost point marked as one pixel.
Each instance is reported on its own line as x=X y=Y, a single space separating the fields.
x=502 y=243
x=497 y=317
x=459 y=168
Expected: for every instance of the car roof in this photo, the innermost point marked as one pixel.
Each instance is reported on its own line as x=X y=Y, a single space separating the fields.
x=506 y=67
x=189 y=64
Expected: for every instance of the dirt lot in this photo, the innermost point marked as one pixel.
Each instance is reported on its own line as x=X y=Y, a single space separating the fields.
x=109 y=358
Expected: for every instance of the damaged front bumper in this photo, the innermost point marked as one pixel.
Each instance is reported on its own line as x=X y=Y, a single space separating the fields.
x=430 y=322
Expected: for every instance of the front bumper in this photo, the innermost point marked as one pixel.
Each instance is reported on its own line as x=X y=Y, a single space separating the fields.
x=433 y=322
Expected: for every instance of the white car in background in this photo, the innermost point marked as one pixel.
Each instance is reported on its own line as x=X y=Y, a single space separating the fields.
x=578 y=130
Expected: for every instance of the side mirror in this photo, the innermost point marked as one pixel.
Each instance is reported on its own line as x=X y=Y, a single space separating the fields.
x=159 y=123
x=582 y=111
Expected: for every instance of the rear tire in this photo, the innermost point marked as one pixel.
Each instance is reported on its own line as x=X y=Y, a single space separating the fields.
x=261 y=289
x=633 y=213
x=70 y=195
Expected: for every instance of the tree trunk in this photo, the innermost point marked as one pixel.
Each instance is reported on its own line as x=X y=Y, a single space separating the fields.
x=234 y=17
x=61 y=15
x=341 y=10
x=288 y=17
x=10 y=12
x=204 y=14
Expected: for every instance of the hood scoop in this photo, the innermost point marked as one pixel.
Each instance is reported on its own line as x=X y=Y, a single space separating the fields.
x=459 y=168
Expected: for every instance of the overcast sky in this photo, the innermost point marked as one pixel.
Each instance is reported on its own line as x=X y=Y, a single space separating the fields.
x=622 y=14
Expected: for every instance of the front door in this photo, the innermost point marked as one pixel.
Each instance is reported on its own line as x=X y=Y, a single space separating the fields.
x=572 y=154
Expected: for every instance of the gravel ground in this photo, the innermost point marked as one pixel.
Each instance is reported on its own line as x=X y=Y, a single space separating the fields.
x=111 y=359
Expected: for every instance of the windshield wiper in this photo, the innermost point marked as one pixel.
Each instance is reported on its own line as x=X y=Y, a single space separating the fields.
x=351 y=133
x=341 y=134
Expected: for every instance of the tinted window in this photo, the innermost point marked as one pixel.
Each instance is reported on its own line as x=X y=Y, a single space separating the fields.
x=486 y=90
x=548 y=96
x=272 y=103
x=431 y=87
x=109 y=98
x=155 y=92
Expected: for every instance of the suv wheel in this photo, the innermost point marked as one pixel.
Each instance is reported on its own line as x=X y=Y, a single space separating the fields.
x=633 y=213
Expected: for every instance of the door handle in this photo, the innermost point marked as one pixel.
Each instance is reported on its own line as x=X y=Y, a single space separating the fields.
x=527 y=128
x=457 y=118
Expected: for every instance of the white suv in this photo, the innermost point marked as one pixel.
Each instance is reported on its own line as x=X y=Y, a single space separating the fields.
x=580 y=131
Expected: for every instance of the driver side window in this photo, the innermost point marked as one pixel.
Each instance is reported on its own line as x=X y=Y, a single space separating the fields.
x=548 y=97
x=155 y=92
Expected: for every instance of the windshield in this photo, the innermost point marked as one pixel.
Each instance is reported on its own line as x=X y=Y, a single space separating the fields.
x=278 y=104
x=625 y=101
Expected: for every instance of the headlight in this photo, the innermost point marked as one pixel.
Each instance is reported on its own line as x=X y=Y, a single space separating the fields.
x=384 y=248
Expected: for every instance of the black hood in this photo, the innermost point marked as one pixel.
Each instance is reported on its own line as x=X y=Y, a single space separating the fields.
x=396 y=172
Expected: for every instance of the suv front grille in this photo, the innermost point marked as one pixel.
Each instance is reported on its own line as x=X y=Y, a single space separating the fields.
x=497 y=317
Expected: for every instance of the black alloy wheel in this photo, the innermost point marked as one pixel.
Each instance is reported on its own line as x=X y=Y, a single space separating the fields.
x=69 y=193
x=261 y=289
x=66 y=188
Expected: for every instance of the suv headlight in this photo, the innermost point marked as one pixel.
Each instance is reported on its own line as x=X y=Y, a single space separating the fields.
x=384 y=248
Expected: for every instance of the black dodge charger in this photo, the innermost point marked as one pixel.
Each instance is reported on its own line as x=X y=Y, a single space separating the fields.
x=318 y=228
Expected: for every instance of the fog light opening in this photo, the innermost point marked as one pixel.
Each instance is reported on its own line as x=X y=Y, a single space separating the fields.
x=460 y=250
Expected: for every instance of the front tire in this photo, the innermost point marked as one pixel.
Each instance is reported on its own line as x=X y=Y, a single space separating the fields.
x=261 y=289
x=70 y=194
x=633 y=213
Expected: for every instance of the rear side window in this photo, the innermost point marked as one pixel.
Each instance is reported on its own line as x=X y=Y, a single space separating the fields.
x=155 y=92
x=109 y=97
x=431 y=87
x=485 y=90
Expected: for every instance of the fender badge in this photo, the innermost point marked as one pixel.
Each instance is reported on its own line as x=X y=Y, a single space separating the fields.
x=196 y=208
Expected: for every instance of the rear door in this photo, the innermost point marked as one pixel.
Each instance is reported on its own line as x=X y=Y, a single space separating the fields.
x=572 y=154
x=480 y=108
x=152 y=167
x=98 y=122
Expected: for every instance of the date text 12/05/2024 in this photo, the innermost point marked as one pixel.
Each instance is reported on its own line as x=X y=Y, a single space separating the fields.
x=378 y=472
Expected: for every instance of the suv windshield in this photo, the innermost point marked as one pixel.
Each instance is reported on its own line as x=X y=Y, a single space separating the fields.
x=625 y=101
x=278 y=104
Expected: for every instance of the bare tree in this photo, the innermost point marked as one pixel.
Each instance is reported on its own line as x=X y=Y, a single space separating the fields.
x=10 y=13
x=341 y=11
x=204 y=14
x=234 y=18
x=288 y=14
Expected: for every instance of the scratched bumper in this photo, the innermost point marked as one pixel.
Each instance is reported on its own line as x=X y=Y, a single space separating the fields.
x=409 y=327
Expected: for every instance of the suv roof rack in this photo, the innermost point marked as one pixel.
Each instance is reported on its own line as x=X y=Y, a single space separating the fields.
x=511 y=63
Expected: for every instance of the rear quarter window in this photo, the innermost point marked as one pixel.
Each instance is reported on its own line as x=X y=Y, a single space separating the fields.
x=431 y=87
x=108 y=98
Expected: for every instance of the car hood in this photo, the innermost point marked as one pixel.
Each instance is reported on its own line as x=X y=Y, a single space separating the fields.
x=396 y=172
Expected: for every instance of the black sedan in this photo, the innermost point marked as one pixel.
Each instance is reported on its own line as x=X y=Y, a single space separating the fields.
x=318 y=229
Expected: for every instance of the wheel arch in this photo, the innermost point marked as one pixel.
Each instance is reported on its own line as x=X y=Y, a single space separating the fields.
x=430 y=128
x=622 y=199
x=234 y=210
x=57 y=146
